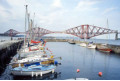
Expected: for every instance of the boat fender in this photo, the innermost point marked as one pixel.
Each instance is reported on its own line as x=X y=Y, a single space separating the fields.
x=32 y=74
x=41 y=74
x=36 y=75
x=55 y=62
x=53 y=71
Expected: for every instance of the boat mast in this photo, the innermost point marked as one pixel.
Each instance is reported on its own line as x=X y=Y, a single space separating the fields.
x=25 y=25
x=29 y=26
x=34 y=26
x=31 y=33
x=108 y=36
x=108 y=28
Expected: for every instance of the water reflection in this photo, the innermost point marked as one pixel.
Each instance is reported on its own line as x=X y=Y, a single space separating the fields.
x=49 y=76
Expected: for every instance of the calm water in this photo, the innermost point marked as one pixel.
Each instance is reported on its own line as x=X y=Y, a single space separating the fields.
x=89 y=61
x=7 y=38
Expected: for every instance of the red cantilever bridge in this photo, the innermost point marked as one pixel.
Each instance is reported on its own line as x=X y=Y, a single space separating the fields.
x=82 y=31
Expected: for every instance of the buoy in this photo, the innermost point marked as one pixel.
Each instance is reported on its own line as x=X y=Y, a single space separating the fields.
x=32 y=74
x=78 y=70
x=55 y=62
x=53 y=71
x=100 y=73
x=36 y=74
x=41 y=74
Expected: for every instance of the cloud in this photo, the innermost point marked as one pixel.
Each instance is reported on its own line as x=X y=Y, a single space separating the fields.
x=86 y=5
x=57 y=4
x=5 y=4
x=108 y=10
x=4 y=14
x=51 y=18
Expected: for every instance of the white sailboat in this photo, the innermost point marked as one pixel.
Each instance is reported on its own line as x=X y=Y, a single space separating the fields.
x=30 y=66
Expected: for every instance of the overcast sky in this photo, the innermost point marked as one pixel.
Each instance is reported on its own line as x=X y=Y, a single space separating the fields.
x=59 y=15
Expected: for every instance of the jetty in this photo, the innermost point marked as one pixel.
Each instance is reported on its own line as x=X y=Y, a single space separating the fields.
x=8 y=48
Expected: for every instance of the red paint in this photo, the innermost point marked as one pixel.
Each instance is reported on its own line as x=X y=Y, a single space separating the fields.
x=105 y=50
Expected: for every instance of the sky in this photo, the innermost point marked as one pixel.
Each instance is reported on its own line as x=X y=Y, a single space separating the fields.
x=60 y=15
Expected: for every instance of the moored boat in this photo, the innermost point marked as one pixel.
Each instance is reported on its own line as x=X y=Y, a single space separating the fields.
x=83 y=44
x=33 y=62
x=104 y=48
x=91 y=45
x=33 y=70
x=71 y=41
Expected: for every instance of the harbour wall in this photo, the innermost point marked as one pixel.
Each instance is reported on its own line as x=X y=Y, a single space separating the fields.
x=56 y=40
x=7 y=50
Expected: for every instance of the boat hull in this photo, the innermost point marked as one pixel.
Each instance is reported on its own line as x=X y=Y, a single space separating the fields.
x=83 y=44
x=31 y=73
x=92 y=46
x=105 y=50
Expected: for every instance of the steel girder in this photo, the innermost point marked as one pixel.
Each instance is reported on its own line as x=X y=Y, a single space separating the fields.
x=88 y=31
x=82 y=31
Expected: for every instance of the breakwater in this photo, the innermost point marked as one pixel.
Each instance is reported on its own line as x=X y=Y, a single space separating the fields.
x=7 y=50
x=56 y=40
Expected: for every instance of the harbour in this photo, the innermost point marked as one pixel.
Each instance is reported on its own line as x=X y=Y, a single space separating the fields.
x=57 y=40
x=89 y=61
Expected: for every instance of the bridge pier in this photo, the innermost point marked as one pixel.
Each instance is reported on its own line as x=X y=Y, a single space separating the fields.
x=116 y=36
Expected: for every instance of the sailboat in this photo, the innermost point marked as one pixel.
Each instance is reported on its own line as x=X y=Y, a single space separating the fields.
x=36 y=65
x=83 y=44
x=34 y=69
x=104 y=47
x=30 y=66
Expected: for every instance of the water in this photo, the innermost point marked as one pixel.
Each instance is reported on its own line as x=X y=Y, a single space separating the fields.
x=89 y=61
x=2 y=38
x=108 y=41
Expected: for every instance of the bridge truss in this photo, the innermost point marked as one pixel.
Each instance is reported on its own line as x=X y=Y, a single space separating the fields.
x=82 y=31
